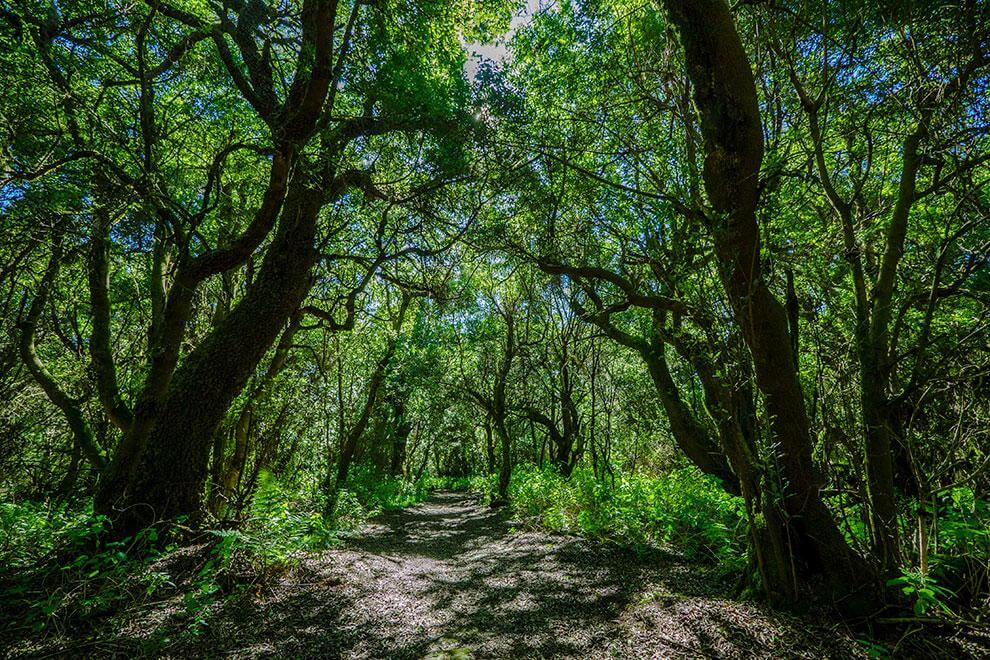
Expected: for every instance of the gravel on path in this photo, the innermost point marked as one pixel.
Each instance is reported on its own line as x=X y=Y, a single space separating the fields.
x=454 y=579
x=451 y=578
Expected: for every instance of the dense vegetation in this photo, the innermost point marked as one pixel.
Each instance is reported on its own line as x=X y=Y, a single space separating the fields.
x=669 y=273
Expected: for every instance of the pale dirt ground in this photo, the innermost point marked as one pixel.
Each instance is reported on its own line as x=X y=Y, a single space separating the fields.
x=451 y=578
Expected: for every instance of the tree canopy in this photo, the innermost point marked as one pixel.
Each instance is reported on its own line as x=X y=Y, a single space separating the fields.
x=741 y=250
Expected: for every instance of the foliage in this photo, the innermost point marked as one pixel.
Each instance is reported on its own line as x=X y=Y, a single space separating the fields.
x=32 y=531
x=923 y=591
x=277 y=530
x=84 y=575
x=61 y=566
x=282 y=524
x=960 y=548
x=376 y=492
x=482 y=484
x=206 y=235
x=683 y=508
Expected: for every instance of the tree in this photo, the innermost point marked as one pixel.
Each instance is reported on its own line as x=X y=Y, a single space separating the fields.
x=298 y=119
x=492 y=392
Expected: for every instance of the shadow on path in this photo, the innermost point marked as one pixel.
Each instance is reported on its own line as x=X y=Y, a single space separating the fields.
x=451 y=578
x=503 y=593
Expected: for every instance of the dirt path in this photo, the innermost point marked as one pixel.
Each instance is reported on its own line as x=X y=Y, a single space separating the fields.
x=452 y=579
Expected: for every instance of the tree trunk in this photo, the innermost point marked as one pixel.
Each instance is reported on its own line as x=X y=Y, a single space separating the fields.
x=71 y=408
x=400 y=439
x=881 y=437
x=333 y=483
x=235 y=468
x=68 y=483
x=174 y=468
x=691 y=437
x=215 y=497
x=726 y=102
x=500 y=412
x=505 y=464
x=880 y=441
x=688 y=432
x=489 y=445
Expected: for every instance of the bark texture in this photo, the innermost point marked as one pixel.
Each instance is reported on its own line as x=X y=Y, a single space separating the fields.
x=726 y=102
x=174 y=467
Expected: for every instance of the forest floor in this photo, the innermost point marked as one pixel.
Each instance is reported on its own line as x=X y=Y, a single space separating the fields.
x=451 y=578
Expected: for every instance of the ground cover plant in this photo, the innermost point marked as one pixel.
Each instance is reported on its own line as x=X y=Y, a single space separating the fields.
x=699 y=286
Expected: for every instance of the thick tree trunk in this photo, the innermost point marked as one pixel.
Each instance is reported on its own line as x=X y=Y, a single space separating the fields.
x=726 y=101
x=880 y=442
x=171 y=480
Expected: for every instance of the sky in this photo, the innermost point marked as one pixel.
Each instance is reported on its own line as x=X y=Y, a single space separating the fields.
x=498 y=51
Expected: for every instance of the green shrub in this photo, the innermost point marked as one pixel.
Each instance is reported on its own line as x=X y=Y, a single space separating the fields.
x=30 y=531
x=59 y=565
x=960 y=550
x=923 y=591
x=277 y=529
x=485 y=485
x=683 y=507
x=378 y=491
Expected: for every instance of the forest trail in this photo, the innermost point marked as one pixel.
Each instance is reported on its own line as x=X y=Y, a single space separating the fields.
x=451 y=578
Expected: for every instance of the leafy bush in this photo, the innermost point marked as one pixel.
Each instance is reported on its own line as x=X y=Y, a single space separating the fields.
x=282 y=524
x=923 y=591
x=378 y=491
x=30 y=531
x=960 y=548
x=683 y=507
x=277 y=530
x=60 y=565
x=370 y=491
x=483 y=484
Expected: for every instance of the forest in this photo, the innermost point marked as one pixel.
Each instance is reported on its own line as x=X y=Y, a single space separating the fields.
x=494 y=328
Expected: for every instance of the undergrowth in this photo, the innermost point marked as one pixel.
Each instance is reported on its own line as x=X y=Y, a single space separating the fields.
x=59 y=569
x=684 y=508
x=687 y=509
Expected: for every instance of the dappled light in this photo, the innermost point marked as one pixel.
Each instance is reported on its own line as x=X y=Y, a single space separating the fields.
x=452 y=575
x=510 y=329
